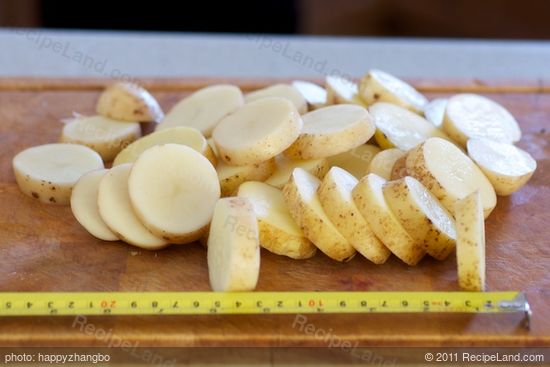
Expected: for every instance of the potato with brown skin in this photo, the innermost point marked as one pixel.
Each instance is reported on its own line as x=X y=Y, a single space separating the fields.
x=399 y=169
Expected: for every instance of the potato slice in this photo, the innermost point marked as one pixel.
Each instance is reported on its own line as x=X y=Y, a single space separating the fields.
x=128 y=102
x=507 y=167
x=285 y=166
x=382 y=164
x=332 y=130
x=449 y=173
x=104 y=135
x=399 y=169
x=173 y=190
x=434 y=111
x=378 y=86
x=315 y=95
x=278 y=231
x=282 y=91
x=369 y=199
x=355 y=161
x=49 y=172
x=233 y=246
x=204 y=109
x=473 y=116
x=176 y=135
x=337 y=202
x=300 y=194
x=422 y=216
x=231 y=177
x=84 y=205
x=258 y=131
x=212 y=145
x=341 y=90
x=399 y=128
x=470 y=244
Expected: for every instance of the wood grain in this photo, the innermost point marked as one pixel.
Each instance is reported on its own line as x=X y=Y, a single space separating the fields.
x=43 y=248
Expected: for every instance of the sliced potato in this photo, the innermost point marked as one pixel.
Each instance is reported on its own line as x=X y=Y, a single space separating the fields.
x=506 y=166
x=84 y=205
x=173 y=190
x=285 y=166
x=282 y=91
x=337 y=202
x=470 y=244
x=212 y=145
x=278 y=231
x=399 y=128
x=233 y=246
x=258 y=131
x=369 y=199
x=342 y=90
x=355 y=161
x=128 y=102
x=332 y=130
x=204 y=109
x=104 y=135
x=300 y=195
x=231 y=177
x=378 y=86
x=399 y=169
x=116 y=210
x=48 y=172
x=176 y=135
x=315 y=95
x=449 y=173
x=422 y=216
x=470 y=116
x=434 y=111
x=382 y=164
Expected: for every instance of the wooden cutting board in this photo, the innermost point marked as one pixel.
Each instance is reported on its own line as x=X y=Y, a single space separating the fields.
x=43 y=248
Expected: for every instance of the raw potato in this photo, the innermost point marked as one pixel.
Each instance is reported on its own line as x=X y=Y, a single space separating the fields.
x=231 y=177
x=278 y=231
x=49 y=172
x=378 y=86
x=332 y=130
x=301 y=198
x=84 y=205
x=116 y=210
x=473 y=116
x=434 y=111
x=507 y=167
x=342 y=90
x=104 y=135
x=128 y=102
x=399 y=169
x=212 y=145
x=204 y=109
x=399 y=128
x=176 y=135
x=173 y=190
x=470 y=244
x=449 y=174
x=369 y=198
x=315 y=95
x=337 y=202
x=422 y=216
x=282 y=91
x=258 y=131
x=355 y=161
x=284 y=167
x=233 y=246
x=382 y=164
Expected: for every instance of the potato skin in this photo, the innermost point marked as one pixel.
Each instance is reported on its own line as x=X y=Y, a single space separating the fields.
x=280 y=242
x=256 y=172
x=399 y=169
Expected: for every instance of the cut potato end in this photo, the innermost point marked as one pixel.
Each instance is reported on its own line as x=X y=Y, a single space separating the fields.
x=369 y=199
x=341 y=90
x=315 y=95
x=337 y=202
x=258 y=131
x=204 y=109
x=84 y=205
x=104 y=135
x=382 y=164
x=434 y=111
x=285 y=166
x=332 y=130
x=300 y=195
x=449 y=173
x=173 y=190
x=233 y=246
x=355 y=161
x=507 y=167
x=470 y=244
x=280 y=90
x=48 y=172
x=231 y=177
x=128 y=102
x=422 y=216
x=116 y=210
